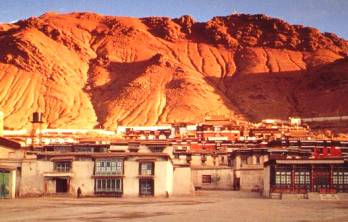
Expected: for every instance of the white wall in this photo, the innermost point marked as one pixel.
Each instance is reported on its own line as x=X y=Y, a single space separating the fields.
x=222 y=178
x=12 y=183
x=8 y=153
x=196 y=160
x=82 y=177
x=163 y=178
x=131 y=180
x=266 y=181
x=182 y=183
x=32 y=180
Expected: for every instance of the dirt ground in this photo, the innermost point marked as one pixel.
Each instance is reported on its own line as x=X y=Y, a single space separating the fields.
x=203 y=206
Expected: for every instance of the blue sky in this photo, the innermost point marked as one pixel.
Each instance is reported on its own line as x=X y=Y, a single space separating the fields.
x=326 y=15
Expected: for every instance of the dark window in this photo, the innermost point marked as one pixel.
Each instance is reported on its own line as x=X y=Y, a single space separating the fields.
x=146 y=187
x=83 y=159
x=146 y=168
x=108 y=185
x=231 y=163
x=62 y=166
x=257 y=159
x=84 y=149
x=62 y=149
x=109 y=167
x=49 y=148
x=100 y=149
x=206 y=178
x=188 y=158
x=156 y=149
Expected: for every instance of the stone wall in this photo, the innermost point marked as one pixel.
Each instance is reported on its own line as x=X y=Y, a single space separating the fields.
x=32 y=179
x=251 y=179
x=222 y=178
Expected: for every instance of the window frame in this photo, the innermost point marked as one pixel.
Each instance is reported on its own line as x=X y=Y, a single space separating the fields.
x=282 y=177
x=206 y=179
x=144 y=172
x=151 y=182
x=302 y=178
x=108 y=185
x=109 y=167
x=62 y=166
x=340 y=179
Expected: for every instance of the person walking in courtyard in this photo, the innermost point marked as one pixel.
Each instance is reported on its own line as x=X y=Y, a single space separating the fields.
x=79 y=192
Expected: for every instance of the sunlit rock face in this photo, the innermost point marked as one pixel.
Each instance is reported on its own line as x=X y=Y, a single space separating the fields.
x=84 y=70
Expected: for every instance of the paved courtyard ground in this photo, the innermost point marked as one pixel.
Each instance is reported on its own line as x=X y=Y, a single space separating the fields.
x=203 y=206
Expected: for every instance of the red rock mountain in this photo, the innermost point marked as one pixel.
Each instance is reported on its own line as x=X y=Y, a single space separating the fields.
x=84 y=70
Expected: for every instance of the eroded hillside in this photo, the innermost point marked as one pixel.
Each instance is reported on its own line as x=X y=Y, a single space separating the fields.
x=84 y=70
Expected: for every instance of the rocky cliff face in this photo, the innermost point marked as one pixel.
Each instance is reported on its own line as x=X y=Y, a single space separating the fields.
x=84 y=70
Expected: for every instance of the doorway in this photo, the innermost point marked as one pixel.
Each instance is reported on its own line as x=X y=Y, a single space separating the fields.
x=4 y=184
x=61 y=185
x=321 y=179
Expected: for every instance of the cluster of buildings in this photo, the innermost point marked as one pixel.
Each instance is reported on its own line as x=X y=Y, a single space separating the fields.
x=269 y=157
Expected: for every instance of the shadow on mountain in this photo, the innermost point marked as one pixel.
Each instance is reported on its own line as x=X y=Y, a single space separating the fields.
x=120 y=76
x=295 y=93
x=330 y=76
x=263 y=95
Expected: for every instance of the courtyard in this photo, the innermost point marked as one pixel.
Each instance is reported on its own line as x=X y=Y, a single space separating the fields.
x=202 y=206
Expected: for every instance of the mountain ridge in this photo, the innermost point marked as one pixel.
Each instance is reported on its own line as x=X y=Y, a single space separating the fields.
x=84 y=70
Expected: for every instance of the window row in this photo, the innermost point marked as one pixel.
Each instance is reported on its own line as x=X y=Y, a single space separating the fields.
x=115 y=167
x=114 y=185
x=109 y=166
x=340 y=178
x=108 y=185
x=304 y=178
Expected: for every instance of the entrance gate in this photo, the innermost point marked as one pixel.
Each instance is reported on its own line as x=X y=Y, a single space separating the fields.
x=4 y=184
x=321 y=179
